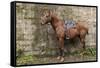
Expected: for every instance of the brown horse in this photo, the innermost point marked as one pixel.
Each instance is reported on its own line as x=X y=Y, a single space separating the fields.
x=58 y=26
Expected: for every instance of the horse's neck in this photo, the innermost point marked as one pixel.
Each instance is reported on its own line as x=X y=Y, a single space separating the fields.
x=54 y=21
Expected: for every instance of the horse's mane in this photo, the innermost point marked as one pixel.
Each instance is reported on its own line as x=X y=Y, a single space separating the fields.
x=56 y=17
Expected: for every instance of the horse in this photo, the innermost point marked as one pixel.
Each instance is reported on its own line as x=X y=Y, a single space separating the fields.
x=79 y=31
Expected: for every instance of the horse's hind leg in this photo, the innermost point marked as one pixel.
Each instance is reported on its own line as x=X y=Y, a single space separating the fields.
x=83 y=45
x=83 y=42
x=82 y=38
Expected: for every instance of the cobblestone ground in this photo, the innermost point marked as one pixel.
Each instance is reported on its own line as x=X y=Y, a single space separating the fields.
x=88 y=55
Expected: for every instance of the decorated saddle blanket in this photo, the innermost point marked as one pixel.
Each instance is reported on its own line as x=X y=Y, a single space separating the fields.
x=69 y=24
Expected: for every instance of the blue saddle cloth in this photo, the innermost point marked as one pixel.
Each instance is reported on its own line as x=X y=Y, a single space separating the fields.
x=69 y=24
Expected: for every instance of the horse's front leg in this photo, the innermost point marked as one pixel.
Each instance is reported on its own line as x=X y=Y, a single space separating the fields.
x=61 y=49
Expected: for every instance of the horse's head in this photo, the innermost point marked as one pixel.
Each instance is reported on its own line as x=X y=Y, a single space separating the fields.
x=46 y=17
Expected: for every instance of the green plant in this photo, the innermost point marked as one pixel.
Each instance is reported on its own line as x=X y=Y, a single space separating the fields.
x=19 y=52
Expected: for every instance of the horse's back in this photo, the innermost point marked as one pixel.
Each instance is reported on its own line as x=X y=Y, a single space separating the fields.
x=79 y=29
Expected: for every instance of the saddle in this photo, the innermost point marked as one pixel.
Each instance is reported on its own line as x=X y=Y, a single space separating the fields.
x=69 y=24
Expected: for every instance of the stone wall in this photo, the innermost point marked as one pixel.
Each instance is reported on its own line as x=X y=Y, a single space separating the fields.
x=36 y=39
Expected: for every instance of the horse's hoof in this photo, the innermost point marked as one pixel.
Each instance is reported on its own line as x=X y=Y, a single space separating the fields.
x=58 y=57
x=62 y=59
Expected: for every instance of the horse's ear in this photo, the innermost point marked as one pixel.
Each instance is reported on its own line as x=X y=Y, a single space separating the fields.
x=45 y=11
x=50 y=12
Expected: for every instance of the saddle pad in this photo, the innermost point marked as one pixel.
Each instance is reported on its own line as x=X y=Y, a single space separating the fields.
x=69 y=24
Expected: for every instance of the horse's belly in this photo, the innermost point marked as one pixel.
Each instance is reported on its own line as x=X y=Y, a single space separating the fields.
x=72 y=33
